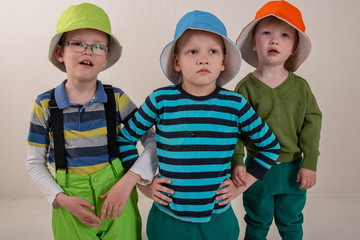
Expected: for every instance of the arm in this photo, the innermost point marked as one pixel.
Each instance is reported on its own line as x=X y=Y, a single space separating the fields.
x=130 y=134
x=146 y=164
x=260 y=134
x=250 y=124
x=309 y=140
x=36 y=165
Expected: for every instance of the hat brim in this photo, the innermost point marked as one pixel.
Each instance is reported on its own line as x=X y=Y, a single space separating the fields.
x=232 y=61
x=115 y=50
x=245 y=43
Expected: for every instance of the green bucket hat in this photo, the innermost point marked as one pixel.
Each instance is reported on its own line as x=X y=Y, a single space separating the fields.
x=81 y=16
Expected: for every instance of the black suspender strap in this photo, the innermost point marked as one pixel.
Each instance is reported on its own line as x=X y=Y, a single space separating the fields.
x=56 y=120
x=110 y=113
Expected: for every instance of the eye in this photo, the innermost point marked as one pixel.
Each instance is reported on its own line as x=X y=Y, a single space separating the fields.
x=192 y=52
x=213 y=51
x=77 y=43
x=96 y=46
x=266 y=33
x=285 y=35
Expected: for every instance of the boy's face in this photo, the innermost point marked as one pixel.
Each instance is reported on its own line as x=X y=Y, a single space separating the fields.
x=274 y=42
x=82 y=65
x=200 y=59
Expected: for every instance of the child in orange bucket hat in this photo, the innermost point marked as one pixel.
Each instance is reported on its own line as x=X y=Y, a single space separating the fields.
x=275 y=44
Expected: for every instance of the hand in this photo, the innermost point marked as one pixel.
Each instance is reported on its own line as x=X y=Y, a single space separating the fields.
x=118 y=195
x=77 y=206
x=307 y=178
x=228 y=193
x=155 y=190
x=238 y=176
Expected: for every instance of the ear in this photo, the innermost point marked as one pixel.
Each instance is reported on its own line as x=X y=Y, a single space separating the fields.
x=105 y=62
x=294 y=48
x=254 y=45
x=176 y=63
x=59 y=53
x=223 y=65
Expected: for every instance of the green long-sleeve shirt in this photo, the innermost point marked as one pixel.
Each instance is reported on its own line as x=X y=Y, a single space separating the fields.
x=292 y=113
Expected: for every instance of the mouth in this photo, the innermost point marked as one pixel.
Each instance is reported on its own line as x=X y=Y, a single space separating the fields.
x=204 y=70
x=273 y=51
x=87 y=63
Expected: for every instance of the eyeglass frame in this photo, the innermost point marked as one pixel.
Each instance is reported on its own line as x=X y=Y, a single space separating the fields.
x=86 y=45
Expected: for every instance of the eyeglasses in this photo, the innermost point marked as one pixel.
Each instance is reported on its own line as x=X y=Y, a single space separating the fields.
x=80 y=46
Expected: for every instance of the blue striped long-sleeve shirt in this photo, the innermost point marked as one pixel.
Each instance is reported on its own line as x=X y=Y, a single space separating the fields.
x=196 y=137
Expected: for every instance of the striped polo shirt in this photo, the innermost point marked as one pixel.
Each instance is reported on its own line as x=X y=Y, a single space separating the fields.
x=84 y=128
x=196 y=137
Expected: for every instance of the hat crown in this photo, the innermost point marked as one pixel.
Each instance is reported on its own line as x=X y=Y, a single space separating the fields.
x=84 y=15
x=283 y=10
x=202 y=21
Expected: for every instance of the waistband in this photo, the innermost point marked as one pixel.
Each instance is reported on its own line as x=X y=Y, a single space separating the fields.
x=113 y=170
x=295 y=162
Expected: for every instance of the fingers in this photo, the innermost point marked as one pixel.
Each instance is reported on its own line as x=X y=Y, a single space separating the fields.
x=298 y=177
x=243 y=180
x=307 y=184
x=106 y=210
x=226 y=201
x=238 y=181
x=90 y=219
x=87 y=204
x=104 y=196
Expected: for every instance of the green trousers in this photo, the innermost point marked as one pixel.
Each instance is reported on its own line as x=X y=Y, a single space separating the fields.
x=161 y=226
x=277 y=197
x=90 y=188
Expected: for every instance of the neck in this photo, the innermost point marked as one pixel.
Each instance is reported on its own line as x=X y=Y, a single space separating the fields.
x=198 y=91
x=80 y=92
x=271 y=76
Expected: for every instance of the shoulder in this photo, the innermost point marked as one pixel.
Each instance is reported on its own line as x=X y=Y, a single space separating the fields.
x=299 y=80
x=229 y=95
x=43 y=98
x=118 y=90
x=165 y=91
x=300 y=83
x=243 y=83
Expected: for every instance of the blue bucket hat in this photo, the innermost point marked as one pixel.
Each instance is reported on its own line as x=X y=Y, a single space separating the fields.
x=199 y=20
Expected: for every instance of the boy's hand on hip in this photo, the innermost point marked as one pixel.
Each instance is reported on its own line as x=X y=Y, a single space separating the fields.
x=307 y=178
x=156 y=190
x=227 y=193
x=77 y=206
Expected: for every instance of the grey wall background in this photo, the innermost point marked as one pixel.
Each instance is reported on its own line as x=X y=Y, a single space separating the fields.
x=144 y=27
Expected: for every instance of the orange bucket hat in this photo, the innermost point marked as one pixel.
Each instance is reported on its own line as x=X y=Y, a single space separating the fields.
x=287 y=13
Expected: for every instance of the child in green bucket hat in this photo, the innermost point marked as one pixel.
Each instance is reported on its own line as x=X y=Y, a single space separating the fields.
x=86 y=161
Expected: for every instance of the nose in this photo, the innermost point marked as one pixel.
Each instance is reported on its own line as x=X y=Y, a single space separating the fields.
x=88 y=50
x=274 y=41
x=203 y=60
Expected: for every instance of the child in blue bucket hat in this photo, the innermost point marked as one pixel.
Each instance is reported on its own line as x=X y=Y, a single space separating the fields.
x=74 y=127
x=197 y=126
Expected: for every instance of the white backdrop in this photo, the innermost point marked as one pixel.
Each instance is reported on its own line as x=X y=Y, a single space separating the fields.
x=144 y=27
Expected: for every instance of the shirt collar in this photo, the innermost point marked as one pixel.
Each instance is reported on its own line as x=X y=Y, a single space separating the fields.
x=63 y=101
